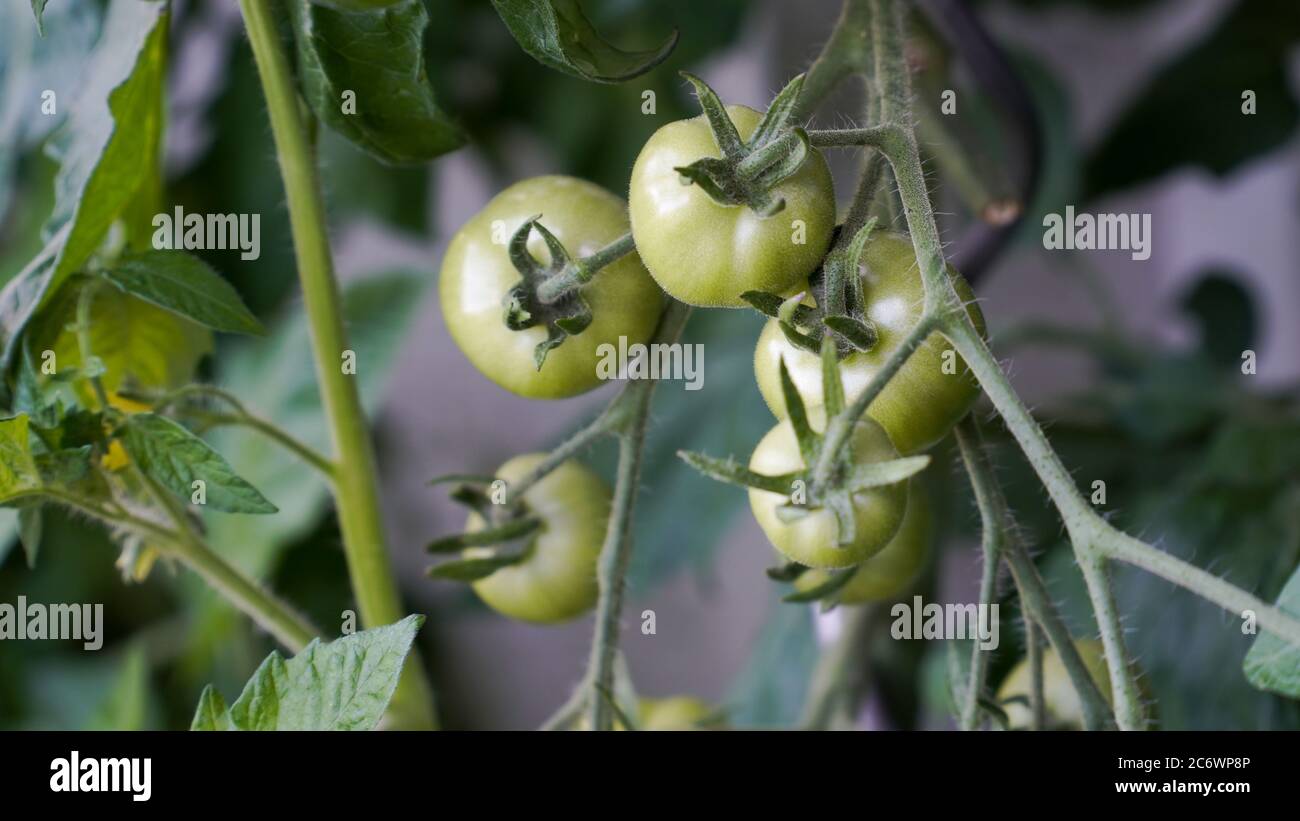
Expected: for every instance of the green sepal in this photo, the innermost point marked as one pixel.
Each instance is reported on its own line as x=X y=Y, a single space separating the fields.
x=878 y=474
x=798 y=417
x=860 y=334
x=501 y=534
x=832 y=384
x=732 y=472
x=770 y=304
x=824 y=591
x=787 y=572
x=471 y=570
x=748 y=171
x=565 y=316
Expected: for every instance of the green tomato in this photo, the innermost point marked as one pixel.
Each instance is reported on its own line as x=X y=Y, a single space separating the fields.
x=707 y=254
x=558 y=579
x=922 y=402
x=811 y=539
x=477 y=275
x=891 y=571
x=1060 y=701
x=673 y=713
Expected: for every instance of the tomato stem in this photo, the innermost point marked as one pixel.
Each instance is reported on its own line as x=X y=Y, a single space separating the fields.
x=1000 y=539
x=355 y=486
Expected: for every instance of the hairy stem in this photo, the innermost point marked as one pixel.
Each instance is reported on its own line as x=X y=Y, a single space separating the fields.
x=1034 y=652
x=580 y=271
x=1033 y=592
x=612 y=572
x=241 y=416
x=356 y=493
x=993 y=523
x=187 y=545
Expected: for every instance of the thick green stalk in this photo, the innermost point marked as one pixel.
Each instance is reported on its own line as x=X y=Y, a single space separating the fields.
x=355 y=487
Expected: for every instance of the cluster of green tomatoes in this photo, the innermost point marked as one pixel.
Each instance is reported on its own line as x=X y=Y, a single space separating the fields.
x=704 y=237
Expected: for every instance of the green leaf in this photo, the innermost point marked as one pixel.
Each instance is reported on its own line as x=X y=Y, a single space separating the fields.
x=378 y=56
x=18 y=473
x=343 y=685
x=1273 y=664
x=29 y=531
x=555 y=33
x=175 y=458
x=102 y=166
x=182 y=283
x=138 y=343
x=212 y=713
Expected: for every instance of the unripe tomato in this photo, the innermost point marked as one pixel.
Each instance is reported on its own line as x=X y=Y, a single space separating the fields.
x=811 y=539
x=477 y=274
x=558 y=580
x=890 y=572
x=673 y=713
x=921 y=403
x=1060 y=701
x=703 y=253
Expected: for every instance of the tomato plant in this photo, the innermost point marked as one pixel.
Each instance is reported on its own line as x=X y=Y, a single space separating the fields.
x=145 y=367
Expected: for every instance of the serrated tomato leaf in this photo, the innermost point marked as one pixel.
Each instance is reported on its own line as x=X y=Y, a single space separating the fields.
x=182 y=283
x=1274 y=664
x=102 y=167
x=557 y=34
x=363 y=74
x=175 y=458
x=345 y=684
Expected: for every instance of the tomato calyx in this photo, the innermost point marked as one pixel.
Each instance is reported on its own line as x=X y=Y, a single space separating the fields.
x=826 y=592
x=839 y=303
x=505 y=541
x=806 y=491
x=562 y=311
x=749 y=170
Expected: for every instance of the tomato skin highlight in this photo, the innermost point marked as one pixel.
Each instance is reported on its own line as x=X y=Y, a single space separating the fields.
x=893 y=570
x=558 y=581
x=810 y=540
x=1061 y=703
x=477 y=274
x=921 y=404
x=707 y=254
